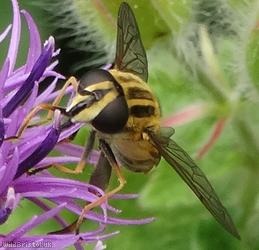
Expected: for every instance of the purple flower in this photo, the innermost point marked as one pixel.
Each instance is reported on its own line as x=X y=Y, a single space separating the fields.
x=18 y=96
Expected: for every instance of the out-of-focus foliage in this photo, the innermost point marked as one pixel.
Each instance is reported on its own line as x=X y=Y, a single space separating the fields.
x=199 y=52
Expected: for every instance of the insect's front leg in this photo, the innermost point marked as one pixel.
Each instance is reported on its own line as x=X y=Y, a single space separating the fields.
x=99 y=178
x=45 y=106
x=71 y=81
x=82 y=163
x=33 y=112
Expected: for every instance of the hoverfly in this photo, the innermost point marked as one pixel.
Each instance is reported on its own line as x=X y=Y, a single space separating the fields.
x=125 y=117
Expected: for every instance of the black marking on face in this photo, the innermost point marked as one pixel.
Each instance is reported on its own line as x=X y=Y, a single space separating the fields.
x=142 y=111
x=138 y=93
x=100 y=93
x=82 y=105
x=95 y=96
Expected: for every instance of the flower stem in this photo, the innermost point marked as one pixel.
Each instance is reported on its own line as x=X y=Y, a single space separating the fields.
x=249 y=140
x=249 y=195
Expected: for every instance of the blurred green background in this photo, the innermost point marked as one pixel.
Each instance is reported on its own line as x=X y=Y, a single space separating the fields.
x=199 y=52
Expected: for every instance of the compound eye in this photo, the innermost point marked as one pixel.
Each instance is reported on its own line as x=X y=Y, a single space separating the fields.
x=93 y=77
x=113 y=117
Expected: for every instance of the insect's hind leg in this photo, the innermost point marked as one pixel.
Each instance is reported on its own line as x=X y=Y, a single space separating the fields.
x=99 y=178
x=112 y=161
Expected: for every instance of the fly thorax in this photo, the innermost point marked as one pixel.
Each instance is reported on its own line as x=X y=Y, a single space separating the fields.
x=100 y=101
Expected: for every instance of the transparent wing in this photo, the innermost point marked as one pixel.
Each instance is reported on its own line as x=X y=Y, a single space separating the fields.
x=195 y=178
x=130 y=53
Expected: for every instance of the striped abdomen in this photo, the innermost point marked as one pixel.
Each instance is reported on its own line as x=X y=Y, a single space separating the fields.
x=143 y=107
x=130 y=146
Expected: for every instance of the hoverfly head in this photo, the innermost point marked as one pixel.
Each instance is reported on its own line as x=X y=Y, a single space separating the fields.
x=100 y=100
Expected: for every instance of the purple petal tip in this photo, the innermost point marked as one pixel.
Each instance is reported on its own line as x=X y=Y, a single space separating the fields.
x=4 y=214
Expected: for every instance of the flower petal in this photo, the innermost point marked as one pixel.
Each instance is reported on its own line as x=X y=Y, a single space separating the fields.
x=42 y=242
x=5 y=32
x=4 y=214
x=31 y=99
x=10 y=171
x=35 y=42
x=98 y=237
x=100 y=218
x=15 y=37
x=43 y=96
x=14 y=81
x=40 y=152
x=3 y=76
x=9 y=205
x=36 y=220
x=99 y=245
x=10 y=130
x=45 y=207
x=65 y=187
x=71 y=130
x=76 y=151
x=2 y=131
x=53 y=95
x=57 y=160
x=36 y=73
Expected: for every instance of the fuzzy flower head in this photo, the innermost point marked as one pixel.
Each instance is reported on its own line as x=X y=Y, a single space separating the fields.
x=19 y=95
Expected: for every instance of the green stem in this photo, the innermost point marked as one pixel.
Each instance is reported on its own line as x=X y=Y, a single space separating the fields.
x=249 y=197
x=249 y=142
x=250 y=191
x=217 y=94
x=213 y=89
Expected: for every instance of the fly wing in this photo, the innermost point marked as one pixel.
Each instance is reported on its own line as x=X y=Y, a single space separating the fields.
x=130 y=53
x=195 y=179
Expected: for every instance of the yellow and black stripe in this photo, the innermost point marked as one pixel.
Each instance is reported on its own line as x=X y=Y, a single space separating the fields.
x=142 y=104
x=120 y=100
